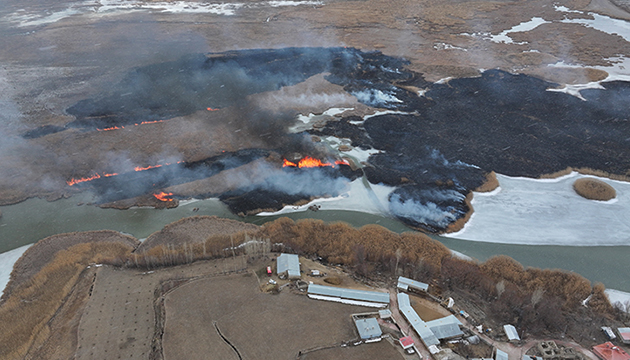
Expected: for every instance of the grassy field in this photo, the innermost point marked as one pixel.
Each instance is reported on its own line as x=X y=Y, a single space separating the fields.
x=258 y=325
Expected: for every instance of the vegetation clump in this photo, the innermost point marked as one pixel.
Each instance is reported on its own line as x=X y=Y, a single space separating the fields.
x=594 y=189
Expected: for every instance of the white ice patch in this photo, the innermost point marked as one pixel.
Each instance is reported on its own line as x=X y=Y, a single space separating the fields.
x=357 y=154
x=361 y=197
x=605 y=24
x=7 y=260
x=116 y=7
x=548 y=212
x=377 y=113
x=616 y=296
x=522 y=27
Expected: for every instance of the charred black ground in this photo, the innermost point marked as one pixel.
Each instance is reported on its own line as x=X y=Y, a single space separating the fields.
x=435 y=153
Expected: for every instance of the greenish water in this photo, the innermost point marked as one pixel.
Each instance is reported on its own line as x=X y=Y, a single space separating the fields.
x=34 y=219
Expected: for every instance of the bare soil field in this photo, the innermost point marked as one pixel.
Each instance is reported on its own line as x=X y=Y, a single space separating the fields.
x=258 y=325
x=426 y=309
x=119 y=318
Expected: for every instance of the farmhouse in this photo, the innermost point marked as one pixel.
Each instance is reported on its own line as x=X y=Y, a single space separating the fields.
x=368 y=328
x=420 y=327
x=348 y=296
x=407 y=284
x=288 y=266
x=446 y=327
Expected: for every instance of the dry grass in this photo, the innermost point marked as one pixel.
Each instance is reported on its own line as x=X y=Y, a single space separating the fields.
x=33 y=302
x=459 y=224
x=490 y=184
x=594 y=189
x=193 y=231
x=45 y=250
x=588 y=171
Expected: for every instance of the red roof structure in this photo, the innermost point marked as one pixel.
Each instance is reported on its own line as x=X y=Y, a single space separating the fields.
x=406 y=342
x=608 y=351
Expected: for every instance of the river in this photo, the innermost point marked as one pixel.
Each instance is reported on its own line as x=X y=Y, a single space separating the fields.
x=34 y=219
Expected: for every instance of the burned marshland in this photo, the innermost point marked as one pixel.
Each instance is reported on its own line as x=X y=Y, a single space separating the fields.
x=433 y=144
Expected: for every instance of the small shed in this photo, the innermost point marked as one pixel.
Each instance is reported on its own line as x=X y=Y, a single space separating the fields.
x=511 y=332
x=409 y=284
x=624 y=334
x=406 y=342
x=385 y=314
x=368 y=328
x=500 y=355
x=288 y=266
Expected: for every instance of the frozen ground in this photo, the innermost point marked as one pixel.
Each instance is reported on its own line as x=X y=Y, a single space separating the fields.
x=7 y=260
x=548 y=212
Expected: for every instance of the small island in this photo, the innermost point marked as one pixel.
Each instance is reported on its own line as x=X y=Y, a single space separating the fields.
x=594 y=189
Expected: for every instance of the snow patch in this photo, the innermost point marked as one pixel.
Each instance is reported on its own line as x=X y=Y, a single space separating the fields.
x=7 y=261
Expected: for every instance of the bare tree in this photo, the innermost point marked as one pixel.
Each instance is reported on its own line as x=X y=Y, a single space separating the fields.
x=500 y=288
x=537 y=296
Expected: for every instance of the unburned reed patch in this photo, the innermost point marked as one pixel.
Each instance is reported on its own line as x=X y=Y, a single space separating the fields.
x=594 y=189
x=33 y=302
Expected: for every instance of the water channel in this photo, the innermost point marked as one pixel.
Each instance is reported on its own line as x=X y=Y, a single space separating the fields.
x=34 y=219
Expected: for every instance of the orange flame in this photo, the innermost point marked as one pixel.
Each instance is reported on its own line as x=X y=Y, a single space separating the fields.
x=211 y=109
x=310 y=162
x=139 y=168
x=162 y=196
x=138 y=124
x=76 y=181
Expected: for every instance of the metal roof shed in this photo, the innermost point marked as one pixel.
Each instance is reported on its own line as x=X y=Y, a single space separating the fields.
x=289 y=266
x=511 y=332
x=421 y=328
x=501 y=355
x=446 y=331
x=361 y=295
x=406 y=283
x=368 y=328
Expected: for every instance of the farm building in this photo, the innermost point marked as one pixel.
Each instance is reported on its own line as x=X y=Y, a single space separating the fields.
x=385 y=314
x=406 y=342
x=511 y=332
x=407 y=284
x=500 y=355
x=348 y=296
x=420 y=327
x=368 y=328
x=608 y=351
x=288 y=266
x=624 y=335
x=446 y=327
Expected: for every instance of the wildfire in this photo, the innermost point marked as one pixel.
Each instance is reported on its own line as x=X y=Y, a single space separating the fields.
x=122 y=127
x=211 y=109
x=162 y=196
x=310 y=162
x=74 y=181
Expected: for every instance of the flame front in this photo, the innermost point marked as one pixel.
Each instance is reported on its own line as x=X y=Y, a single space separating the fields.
x=74 y=181
x=162 y=196
x=309 y=162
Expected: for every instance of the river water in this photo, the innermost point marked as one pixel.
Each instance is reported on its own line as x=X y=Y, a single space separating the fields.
x=34 y=219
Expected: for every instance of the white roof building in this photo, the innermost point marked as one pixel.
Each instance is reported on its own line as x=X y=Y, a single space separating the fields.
x=348 y=296
x=368 y=328
x=288 y=266
x=406 y=284
x=511 y=332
